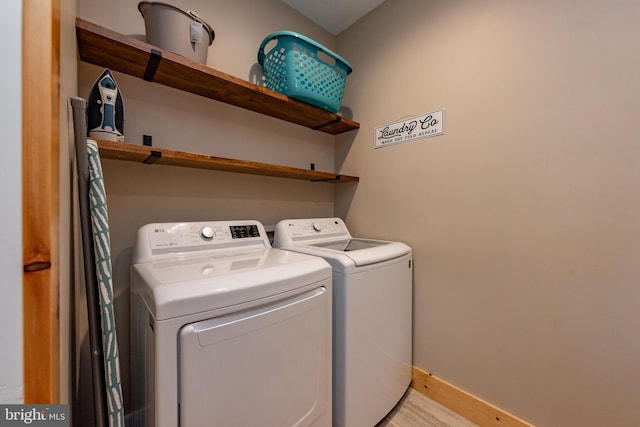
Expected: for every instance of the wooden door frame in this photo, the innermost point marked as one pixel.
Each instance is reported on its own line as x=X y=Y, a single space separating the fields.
x=40 y=203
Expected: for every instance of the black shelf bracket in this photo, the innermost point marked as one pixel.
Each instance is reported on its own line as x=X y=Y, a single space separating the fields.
x=152 y=65
x=332 y=122
x=154 y=156
x=336 y=179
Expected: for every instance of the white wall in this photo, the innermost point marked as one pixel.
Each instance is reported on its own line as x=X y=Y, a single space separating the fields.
x=523 y=217
x=11 y=381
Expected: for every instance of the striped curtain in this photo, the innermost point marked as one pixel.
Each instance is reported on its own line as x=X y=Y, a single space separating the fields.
x=102 y=249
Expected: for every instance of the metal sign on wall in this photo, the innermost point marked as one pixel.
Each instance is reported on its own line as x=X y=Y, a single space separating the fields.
x=423 y=126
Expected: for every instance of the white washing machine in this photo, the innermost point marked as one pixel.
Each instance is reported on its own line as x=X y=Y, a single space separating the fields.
x=372 y=315
x=228 y=331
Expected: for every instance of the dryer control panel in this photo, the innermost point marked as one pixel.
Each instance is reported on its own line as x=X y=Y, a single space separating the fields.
x=171 y=238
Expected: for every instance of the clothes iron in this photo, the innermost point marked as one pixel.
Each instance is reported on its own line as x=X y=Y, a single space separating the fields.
x=105 y=109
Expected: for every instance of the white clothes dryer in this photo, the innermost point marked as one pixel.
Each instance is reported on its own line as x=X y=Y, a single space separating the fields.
x=227 y=330
x=372 y=315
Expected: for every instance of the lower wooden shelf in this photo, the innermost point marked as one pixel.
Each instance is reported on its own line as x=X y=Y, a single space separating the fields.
x=163 y=156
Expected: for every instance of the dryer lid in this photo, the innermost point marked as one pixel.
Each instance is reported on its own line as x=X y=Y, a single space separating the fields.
x=184 y=268
x=194 y=284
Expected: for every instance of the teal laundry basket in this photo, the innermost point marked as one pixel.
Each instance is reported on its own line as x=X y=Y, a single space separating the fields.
x=303 y=69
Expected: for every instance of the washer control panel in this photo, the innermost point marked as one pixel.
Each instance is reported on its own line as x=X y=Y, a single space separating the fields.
x=309 y=229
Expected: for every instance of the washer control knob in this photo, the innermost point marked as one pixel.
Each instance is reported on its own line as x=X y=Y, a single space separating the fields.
x=207 y=233
x=316 y=227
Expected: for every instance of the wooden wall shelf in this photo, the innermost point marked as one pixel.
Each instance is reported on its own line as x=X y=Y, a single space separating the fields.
x=103 y=47
x=163 y=156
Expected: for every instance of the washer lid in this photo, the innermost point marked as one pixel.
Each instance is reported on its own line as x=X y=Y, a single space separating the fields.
x=330 y=238
x=351 y=244
x=192 y=284
x=361 y=251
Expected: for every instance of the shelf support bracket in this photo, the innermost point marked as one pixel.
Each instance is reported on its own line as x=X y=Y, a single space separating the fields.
x=152 y=65
x=336 y=179
x=332 y=122
x=154 y=156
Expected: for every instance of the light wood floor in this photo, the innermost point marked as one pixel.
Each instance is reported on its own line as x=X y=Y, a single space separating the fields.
x=417 y=410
